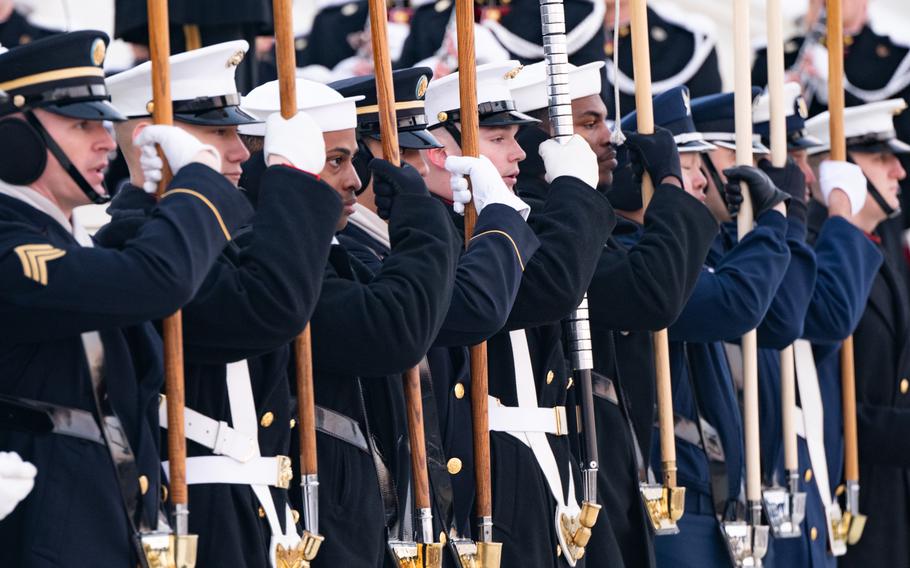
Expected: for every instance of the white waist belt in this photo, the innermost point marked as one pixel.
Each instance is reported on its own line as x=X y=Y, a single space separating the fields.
x=215 y=435
x=519 y=419
x=275 y=471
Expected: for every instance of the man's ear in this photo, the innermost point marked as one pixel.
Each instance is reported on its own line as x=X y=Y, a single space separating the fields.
x=437 y=157
x=140 y=126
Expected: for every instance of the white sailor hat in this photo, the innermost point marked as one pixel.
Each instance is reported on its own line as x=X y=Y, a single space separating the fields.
x=328 y=107
x=797 y=112
x=529 y=88
x=203 y=89
x=867 y=128
x=494 y=99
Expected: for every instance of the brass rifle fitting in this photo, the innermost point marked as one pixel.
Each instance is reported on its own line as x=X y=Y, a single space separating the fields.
x=186 y=550
x=489 y=554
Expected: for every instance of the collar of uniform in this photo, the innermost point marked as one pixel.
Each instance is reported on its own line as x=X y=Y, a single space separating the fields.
x=33 y=199
x=371 y=223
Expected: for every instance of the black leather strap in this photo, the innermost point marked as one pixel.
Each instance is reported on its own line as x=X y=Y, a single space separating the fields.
x=44 y=418
x=341 y=427
x=387 y=490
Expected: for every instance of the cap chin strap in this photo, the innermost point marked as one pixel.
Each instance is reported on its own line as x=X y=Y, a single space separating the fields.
x=65 y=162
x=714 y=175
x=890 y=212
x=454 y=131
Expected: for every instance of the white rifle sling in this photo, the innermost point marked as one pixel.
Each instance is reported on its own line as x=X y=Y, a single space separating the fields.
x=530 y=424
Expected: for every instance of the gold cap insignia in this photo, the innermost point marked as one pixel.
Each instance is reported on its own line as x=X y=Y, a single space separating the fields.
x=98 y=51
x=442 y=116
x=422 y=84
x=234 y=60
x=34 y=259
x=513 y=73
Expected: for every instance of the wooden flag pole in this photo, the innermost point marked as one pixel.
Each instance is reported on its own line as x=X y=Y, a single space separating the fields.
x=308 y=547
x=665 y=503
x=429 y=552
x=785 y=507
x=172 y=328
x=489 y=553
x=835 y=45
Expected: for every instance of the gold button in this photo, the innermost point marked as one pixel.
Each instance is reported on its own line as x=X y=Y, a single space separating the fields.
x=143 y=484
x=296 y=515
x=453 y=465
x=808 y=476
x=261 y=513
x=293 y=422
x=459 y=390
x=550 y=376
x=558 y=550
x=442 y=538
x=164 y=494
x=905 y=385
x=267 y=419
x=813 y=533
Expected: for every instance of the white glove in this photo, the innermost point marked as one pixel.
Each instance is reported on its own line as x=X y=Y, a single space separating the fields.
x=298 y=140
x=17 y=478
x=574 y=158
x=846 y=177
x=179 y=147
x=486 y=184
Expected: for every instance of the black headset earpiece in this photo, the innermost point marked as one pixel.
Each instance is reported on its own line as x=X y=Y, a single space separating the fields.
x=24 y=150
x=361 y=163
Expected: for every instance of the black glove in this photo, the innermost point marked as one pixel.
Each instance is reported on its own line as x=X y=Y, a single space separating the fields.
x=656 y=154
x=791 y=180
x=765 y=195
x=389 y=182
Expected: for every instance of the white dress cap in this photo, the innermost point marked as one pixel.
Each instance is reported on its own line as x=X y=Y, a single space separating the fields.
x=529 y=88
x=868 y=124
x=761 y=106
x=492 y=87
x=197 y=74
x=328 y=107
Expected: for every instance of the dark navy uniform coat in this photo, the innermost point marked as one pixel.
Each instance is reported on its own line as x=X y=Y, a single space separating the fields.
x=644 y=277
x=846 y=263
x=75 y=515
x=327 y=44
x=254 y=301
x=731 y=297
x=486 y=281
x=375 y=327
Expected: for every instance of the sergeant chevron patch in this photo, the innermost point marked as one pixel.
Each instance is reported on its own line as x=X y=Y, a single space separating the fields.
x=34 y=260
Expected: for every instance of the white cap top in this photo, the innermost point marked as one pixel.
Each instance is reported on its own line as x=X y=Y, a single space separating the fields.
x=492 y=86
x=872 y=121
x=329 y=109
x=529 y=88
x=204 y=72
x=761 y=106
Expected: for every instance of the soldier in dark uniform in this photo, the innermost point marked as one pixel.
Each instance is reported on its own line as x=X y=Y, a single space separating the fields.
x=395 y=312
x=881 y=348
x=268 y=278
x=15 y=29
x=330 y=38
x=429 y=21
x=528 y=375
x=635 y=287
x=731 y=296
x=198 y=23
x=683 y=52
x=75 y=335
x=486 y=282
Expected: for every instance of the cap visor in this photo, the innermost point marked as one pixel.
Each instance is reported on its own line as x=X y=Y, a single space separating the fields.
x=87 y=110
x=224 y=116
x=417 y=139
x=695 y=146
x=804 y=143
x=507 y=118
x=899 y=146
x=892 y=146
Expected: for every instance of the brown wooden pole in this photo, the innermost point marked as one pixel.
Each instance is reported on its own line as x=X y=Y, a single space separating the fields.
x=162 y=113
x=388 y=133
x=470 y=124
